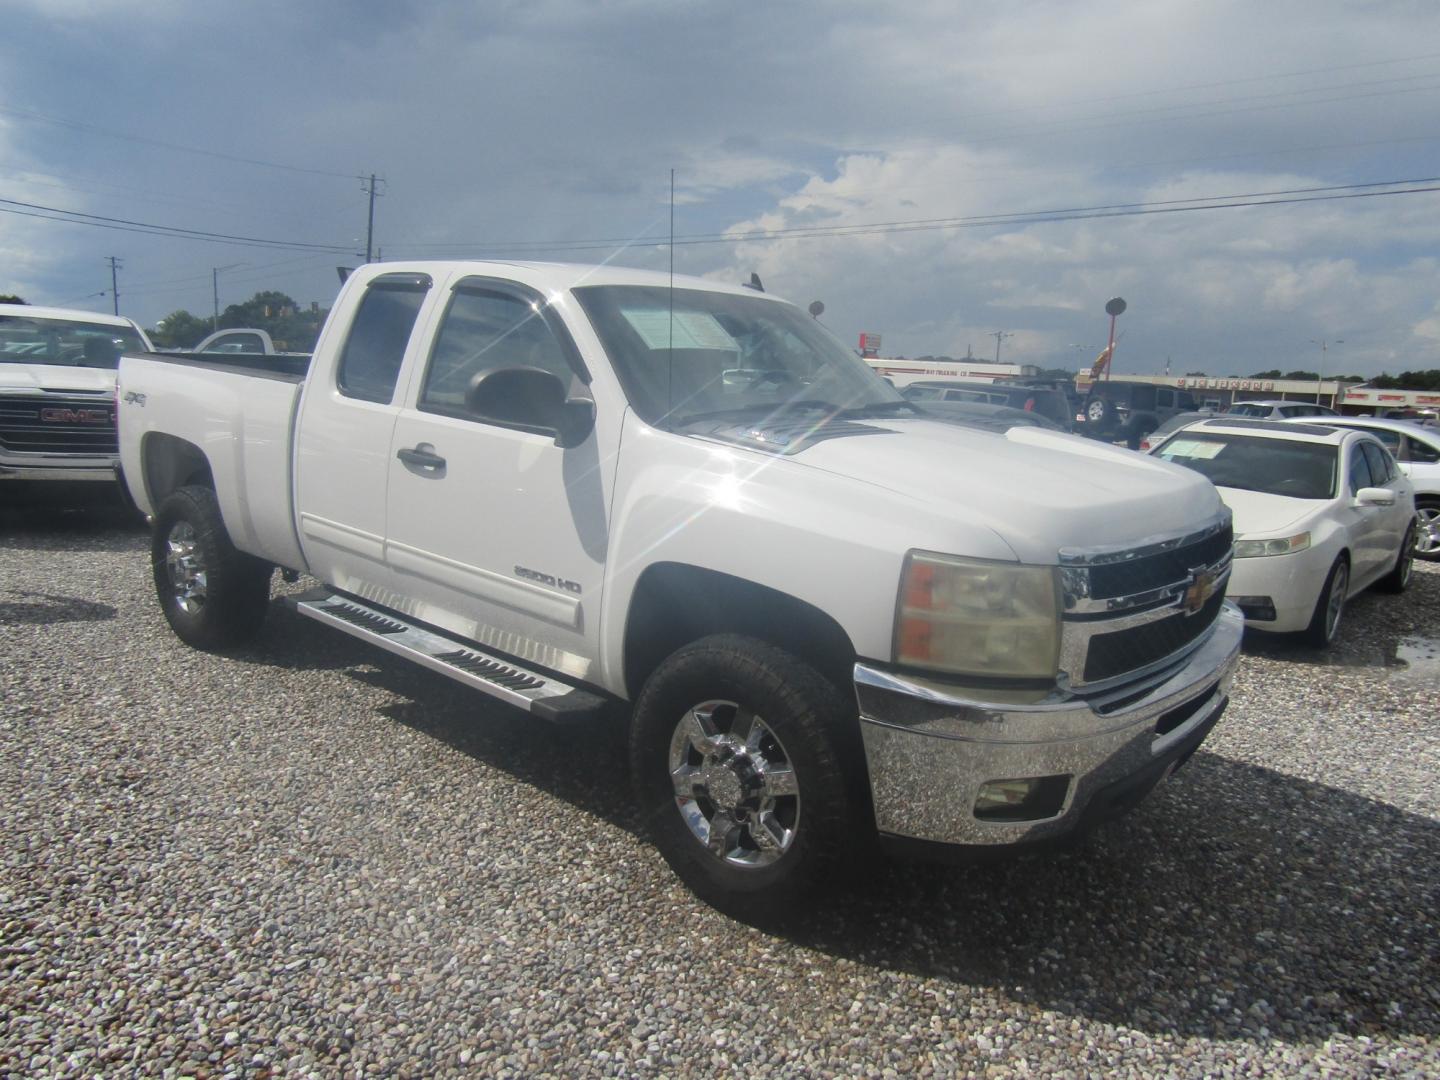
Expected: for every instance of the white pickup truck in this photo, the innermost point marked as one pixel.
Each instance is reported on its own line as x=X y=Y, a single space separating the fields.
x=828 y=617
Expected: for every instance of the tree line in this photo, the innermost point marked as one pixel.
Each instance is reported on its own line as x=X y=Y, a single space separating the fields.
x=291 y=327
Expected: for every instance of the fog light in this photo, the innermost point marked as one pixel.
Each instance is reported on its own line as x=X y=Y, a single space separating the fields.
x=1031 y=798
x=1257 y=608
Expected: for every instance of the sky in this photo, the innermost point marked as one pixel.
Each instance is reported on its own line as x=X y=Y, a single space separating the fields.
x=902 y=163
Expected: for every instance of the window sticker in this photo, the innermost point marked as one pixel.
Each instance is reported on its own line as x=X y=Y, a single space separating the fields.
x=692 y=329
x=1194 y=448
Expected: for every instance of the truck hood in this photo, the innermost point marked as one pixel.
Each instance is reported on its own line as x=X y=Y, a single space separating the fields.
x=1038 y=490
x=27 y=378
x=1260 y=514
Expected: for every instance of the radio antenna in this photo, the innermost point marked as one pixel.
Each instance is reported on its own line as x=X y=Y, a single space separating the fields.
x=670 y=352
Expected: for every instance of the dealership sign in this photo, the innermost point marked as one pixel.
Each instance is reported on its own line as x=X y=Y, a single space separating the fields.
x=1226 y=384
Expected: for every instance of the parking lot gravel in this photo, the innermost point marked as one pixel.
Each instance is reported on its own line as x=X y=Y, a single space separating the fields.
x=310 y=859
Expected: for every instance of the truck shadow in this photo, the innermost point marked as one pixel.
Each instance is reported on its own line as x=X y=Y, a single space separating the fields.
x=1236 y=899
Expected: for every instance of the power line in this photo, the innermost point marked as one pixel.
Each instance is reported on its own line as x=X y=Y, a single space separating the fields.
x=971 y=221
x=94 y=129
x=126 y=225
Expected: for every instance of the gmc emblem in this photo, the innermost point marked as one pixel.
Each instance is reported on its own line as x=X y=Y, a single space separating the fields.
x=75 y=416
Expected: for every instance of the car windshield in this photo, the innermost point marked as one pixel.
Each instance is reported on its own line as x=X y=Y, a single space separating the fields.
x=686 y=355
x=1301 y=470
x=1241 y=409
x=28 y=339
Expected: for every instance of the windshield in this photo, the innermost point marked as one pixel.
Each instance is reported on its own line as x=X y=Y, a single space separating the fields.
x=726 y=355
x=1300 y=470
x=1240 y=409
x=27 y=339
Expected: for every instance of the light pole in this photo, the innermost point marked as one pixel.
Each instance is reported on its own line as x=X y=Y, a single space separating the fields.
x=1324 y=347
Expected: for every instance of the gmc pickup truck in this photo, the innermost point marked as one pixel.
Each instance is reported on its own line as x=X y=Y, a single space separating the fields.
x=57 y=392
x=827 y=618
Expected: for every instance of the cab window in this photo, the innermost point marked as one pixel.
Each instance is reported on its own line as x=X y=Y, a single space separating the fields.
x=375 y=347
x=485 y=329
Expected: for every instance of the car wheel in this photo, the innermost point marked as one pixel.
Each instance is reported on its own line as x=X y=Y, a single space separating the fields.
x=213 y=596
x=1325 y=622
x=1099 y=413
x=1427 y=531
x=1398 y=579
x=737 y=754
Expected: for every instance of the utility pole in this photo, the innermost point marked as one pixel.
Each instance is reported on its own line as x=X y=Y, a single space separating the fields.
x=215 y=292
x=999 y=336
x=370 y=188
x=115 y=265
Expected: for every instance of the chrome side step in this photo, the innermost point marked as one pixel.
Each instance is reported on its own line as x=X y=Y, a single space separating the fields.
x=541 y=695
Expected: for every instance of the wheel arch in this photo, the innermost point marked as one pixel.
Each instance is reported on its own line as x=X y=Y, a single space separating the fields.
x=170 y=462
x=676 y=603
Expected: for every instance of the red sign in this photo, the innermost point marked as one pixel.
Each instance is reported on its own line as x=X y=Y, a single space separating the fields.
x=869 y=345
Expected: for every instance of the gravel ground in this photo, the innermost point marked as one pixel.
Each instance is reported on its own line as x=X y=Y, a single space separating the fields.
x=311 y=859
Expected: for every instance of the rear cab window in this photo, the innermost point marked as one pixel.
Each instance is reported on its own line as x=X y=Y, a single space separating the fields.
x=379 y=335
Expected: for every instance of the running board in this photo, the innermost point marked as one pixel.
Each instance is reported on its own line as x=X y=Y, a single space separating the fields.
x=541 y=695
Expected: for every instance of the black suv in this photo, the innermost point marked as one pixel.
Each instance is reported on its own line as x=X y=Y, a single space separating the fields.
x=1115 y=410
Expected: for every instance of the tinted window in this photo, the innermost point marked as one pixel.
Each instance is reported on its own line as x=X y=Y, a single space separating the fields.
x=1391 y=439
x=1142 y=397
x=375 y=348
x=923 y=393
x=1165 y=398
x=1415 y=450
x=1382 y=469
x=485 y=330
x=1186 y=400
x=1359 y=475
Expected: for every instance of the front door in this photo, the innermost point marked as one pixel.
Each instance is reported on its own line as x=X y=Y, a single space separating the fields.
x=493 y=531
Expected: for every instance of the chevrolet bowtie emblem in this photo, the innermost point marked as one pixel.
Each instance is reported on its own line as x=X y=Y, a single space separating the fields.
x=1201 y=588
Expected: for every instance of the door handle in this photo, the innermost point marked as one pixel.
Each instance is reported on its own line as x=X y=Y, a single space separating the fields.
x=421 y=459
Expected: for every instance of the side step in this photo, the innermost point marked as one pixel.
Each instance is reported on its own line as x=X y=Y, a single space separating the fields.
x=541 y=695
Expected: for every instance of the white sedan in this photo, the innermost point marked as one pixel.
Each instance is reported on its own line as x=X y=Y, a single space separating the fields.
x=1417 y=449
x=1321 y=513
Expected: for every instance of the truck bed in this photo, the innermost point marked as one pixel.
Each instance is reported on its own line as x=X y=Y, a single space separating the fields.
x=240 y=413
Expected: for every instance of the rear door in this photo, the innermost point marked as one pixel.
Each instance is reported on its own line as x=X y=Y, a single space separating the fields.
x=342 y=450
x=493 y=531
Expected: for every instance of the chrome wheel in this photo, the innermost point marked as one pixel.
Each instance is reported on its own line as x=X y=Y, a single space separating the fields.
x=734 y=784
x=184 y=568
x=1335 y=602
x=1427 y=532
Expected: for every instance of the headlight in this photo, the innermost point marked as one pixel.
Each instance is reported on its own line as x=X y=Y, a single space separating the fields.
x=969 y=617
x=1252 y=549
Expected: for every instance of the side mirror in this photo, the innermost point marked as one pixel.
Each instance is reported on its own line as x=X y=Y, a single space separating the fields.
x=1375 y=496
x=532 y=399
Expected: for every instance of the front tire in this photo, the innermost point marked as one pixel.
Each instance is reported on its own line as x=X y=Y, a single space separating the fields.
x=737 y=755
x=213 y=596
x=1329 y=607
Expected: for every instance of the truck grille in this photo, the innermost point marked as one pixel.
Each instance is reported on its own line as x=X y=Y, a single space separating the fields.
x=1140 y=646
x=1130 y=612
x=79 y=424
x=1156 y=571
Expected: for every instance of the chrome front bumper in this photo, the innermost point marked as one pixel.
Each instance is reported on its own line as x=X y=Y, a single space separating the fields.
x=930 y=750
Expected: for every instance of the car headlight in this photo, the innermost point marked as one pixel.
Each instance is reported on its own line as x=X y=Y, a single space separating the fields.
x=1288 y=545
x=971 y=617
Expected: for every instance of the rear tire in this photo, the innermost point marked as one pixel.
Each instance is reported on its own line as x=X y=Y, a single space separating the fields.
x=1329 y=607
x=1427 y=536
x=213 y=595
x=1398 y=579
x=737 y=756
